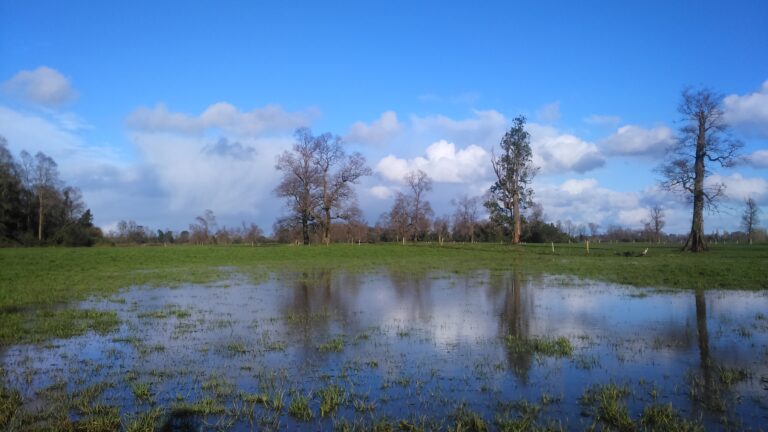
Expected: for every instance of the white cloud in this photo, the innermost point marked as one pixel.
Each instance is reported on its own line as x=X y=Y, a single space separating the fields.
x=631 y=140
x=485 y=128
x=577 y=186
x=176 y=176
x=749 y=112
x=583 y=201
x=443 y=163
x=381 y=192
x=758 y=159
x=52 y=135
x=222 y=116
x=195 y=175
x=378 y=132
x=549 y=112
x=43 y=86
x=603 y=120
x=556 y=152
x=738 y=188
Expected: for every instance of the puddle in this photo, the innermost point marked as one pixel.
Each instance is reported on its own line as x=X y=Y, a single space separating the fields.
x=355 y=349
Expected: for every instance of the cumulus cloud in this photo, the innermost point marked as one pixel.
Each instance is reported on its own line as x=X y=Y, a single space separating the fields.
x=443 y=163
x=758 y=159
x=43 y=86
x=222 y=116
x=549 y=112
x=556 y=152
x=738 y=188
x=381 y=192
x=749 y=112
x=583 y=201
x=631 y=140
x=578 y=186
x=484 y=128
x=602 y=120
x=378 y=132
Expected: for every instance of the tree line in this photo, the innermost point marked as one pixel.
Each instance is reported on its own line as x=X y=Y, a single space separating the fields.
x=37 y=207
x=316 y=184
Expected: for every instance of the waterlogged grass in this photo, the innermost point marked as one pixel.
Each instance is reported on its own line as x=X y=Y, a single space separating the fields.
x=35 y=282
x=42 y=324
x=54 y=275
x=558 y=347
x=299 y=408
x=331 y=398
x=334 y=345
x=666 y=418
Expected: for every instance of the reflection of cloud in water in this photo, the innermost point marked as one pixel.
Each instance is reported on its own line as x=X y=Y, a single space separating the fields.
x=453 y=324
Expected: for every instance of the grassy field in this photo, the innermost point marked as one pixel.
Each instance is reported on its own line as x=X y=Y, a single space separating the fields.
x=35 y=282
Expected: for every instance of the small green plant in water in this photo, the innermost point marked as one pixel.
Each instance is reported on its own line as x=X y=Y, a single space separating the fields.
x=299 y=408
x=141 y=392
x=665 y=418
x=560 y=347
x=466 y=420
x=609 y=408
x=331 y=398
x=334 y=345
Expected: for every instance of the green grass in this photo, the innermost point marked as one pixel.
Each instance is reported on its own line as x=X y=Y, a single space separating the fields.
x=559 y=347
x=35 y=282
x=666 y=418
x=334 y=345
x=299 y=408
x=331 y=398
x=142 y=392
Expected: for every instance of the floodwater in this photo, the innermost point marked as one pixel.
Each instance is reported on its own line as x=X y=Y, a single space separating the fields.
x=418 y=348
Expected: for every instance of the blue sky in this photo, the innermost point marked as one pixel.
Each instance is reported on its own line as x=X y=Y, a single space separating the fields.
x=132 y=98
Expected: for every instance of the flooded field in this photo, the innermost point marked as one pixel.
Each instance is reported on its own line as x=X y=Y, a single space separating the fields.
x=381 y=350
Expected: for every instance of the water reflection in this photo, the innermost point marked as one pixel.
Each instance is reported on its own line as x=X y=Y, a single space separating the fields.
x=417 y=342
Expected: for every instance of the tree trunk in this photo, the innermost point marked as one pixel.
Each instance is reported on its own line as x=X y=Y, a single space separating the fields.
x=516 y=219
x=696 y=241
x=305 y=228
x=327 y=226
x=40 y=219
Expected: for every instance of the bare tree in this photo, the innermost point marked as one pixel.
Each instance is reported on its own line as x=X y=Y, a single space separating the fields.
x=204 y=228
x=703 y=138
x=750 y=218
x=514 y=172
x=655 y=223
x=299 y=183
x=355 y=227
x=465 y=217
x=317 y=180
x=251 y=233
x=399 y=217
x=593 y=229
x=337 y=172
x=420 y=209
x=441 y=229
x=42 y=176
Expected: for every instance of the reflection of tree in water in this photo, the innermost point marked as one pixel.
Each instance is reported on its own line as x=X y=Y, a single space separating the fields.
x=318 y=298
x=515 y=316
x=413 y=289
x=705 y=362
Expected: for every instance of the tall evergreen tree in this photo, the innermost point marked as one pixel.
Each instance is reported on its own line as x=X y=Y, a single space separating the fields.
x=512 y=192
